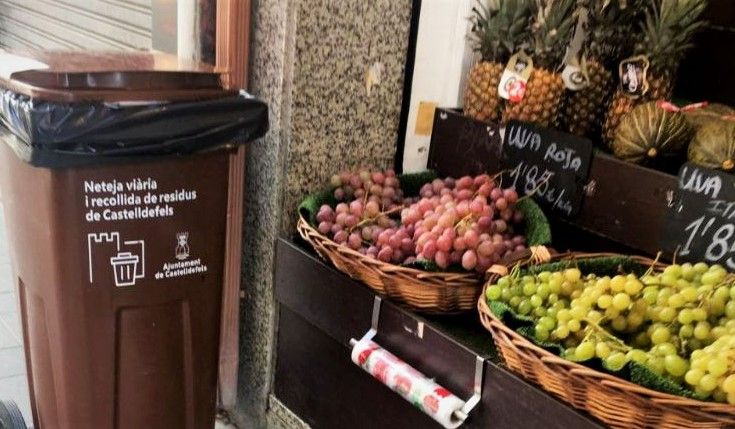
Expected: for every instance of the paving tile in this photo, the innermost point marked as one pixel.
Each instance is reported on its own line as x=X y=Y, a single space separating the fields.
x=4 y=236
x=4 y=251
x=12 y=362
x=12 y=322
x=16 y=388
x=7 y=338
x=6 y=277
x=13 y=383
x=8 y=303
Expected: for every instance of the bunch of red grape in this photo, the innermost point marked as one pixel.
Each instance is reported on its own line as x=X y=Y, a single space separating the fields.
x=468 y=221
x=381 y=188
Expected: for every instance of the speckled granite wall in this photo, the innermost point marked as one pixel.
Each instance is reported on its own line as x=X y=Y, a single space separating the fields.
x=271 y=62
x=335 y=123
x=309 y=60
x=280 y=417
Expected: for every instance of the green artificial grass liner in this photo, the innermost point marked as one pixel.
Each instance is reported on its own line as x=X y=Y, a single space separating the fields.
x=601 y=266
x=411 y=183
x=432 y=267
x=537 y=229
x=310 y=206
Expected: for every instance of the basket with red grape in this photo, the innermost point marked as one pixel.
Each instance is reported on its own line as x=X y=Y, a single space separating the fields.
x=421 y=223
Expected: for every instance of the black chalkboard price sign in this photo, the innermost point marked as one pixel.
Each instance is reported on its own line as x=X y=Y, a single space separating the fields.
x=550 y=165
x=701 y=223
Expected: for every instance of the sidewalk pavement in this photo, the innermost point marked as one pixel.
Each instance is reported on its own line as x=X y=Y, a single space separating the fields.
x=13 y=384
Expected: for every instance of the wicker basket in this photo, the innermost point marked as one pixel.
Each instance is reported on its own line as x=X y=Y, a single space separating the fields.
x=427 y=292
x=617 y=402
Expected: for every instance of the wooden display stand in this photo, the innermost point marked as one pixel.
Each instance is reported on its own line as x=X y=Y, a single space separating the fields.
x=321 y=309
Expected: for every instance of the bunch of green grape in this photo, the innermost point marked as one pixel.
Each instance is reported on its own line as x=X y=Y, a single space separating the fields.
x=669 y=321
x=711 y=371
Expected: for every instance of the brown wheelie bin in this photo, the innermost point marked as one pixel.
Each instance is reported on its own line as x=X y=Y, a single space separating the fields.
x=114 y=182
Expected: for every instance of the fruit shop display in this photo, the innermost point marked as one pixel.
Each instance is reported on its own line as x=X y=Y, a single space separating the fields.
x=650 y=133
x=468 y=222
x=548 y=34
x=608 y=29
x=678 y=323
x=497 y=30
x=713 y=145
x=665 y=37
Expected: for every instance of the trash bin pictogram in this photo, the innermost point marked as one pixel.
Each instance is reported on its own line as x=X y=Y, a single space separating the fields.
x=125 y=267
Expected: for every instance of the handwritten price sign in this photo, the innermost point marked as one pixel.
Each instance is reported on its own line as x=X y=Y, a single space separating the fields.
x=536 y=181
x=550 y=165
x=701 y=226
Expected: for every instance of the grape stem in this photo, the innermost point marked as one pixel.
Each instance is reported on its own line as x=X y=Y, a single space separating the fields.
x=376 y=217
x=515 y=272
x=727 y=281
x=600 y=330
x=463 y=221
x=682 y=345
x=498 y=174
x=653 y=264
x=493 y=180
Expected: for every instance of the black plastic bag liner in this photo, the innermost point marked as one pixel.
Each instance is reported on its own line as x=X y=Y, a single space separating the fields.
x=58 y=135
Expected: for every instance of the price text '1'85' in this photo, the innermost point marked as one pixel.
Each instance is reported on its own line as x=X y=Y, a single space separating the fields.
x=721 y=240
x=537 y=181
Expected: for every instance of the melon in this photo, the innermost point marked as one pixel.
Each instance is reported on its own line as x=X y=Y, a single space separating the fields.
x=650 y=133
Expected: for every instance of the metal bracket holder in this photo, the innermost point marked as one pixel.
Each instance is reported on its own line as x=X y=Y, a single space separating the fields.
x=472 y=402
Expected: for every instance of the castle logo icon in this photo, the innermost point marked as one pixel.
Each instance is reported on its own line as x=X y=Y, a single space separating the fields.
x=127 y=258
x=182 y=246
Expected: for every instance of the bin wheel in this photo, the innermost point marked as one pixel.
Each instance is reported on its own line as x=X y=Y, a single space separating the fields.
x=10 y=416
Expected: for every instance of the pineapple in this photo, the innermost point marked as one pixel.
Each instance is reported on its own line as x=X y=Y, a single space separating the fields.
x=608 y=29
x=496 y=30
x=666 y=34
x=552 y=26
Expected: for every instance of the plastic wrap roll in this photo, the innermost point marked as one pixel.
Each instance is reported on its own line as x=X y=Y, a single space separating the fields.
x=416 y=388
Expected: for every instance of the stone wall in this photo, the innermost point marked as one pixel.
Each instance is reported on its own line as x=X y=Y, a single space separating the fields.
x=313 y=61
x=336 y=122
